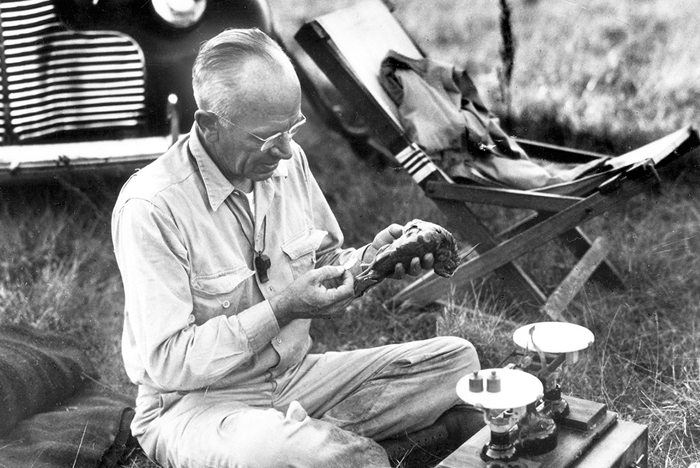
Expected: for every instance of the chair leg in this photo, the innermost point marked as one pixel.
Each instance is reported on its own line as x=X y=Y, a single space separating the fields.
x=606 y=274
x=578 y=243
x=561 y=297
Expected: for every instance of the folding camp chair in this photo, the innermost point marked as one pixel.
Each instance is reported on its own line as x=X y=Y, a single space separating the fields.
x=348 y=45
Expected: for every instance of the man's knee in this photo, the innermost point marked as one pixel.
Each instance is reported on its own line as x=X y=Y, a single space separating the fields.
x=261 y=438
x=272 y=439
x=459 y=351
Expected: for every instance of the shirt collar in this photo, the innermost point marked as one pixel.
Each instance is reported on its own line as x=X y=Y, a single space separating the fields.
x=218 y=187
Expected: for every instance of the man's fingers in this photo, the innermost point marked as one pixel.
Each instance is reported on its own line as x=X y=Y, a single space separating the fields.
x=345 y=289
x=328 y=272
x=396 y=230
x=399 y=271
x=388 y=235
x=427 y=261
x=414 y=267
x=347 y=284
x=348 y=279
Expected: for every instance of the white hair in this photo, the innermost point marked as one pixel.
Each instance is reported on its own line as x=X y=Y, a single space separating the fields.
x=216 y=70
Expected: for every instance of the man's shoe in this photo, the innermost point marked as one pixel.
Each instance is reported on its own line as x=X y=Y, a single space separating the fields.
x=461 y=422
x=451 y=430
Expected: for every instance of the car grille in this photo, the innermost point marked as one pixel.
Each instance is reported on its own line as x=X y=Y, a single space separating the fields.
x=56 y=80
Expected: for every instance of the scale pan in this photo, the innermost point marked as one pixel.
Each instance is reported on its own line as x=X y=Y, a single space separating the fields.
x=554 y=337
x=518 y=389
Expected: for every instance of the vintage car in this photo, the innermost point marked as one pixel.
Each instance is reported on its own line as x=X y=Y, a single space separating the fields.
x=102 y=86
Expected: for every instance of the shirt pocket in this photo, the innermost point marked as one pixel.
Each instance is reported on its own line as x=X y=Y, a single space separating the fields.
x=301 y=250
x=224 y=293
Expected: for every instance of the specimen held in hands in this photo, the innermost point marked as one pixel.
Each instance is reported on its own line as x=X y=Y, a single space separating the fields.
x=418 y=239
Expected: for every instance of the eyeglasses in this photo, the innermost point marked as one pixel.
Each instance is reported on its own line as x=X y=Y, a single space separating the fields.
x=270 y=141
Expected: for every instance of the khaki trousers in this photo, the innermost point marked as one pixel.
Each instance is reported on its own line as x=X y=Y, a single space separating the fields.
x=324 y=412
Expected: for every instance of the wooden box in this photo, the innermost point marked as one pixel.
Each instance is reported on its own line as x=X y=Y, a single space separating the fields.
x=590 y=437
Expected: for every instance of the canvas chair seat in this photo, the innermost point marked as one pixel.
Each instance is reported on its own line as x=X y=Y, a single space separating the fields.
x=441 y=110
x=350 y=46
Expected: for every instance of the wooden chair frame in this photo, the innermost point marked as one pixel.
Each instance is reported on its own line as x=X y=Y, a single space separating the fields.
x=557 y=216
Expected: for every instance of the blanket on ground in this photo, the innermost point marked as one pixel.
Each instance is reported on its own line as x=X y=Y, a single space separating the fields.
x=53 y=411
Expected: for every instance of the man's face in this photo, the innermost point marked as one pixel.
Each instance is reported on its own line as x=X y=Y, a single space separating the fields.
x=270 y=104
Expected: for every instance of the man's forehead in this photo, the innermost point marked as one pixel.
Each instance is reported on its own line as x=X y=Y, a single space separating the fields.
x=269 y=92
x=265 y=75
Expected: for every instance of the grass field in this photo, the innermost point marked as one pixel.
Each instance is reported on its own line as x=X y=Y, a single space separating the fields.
x=599 y=75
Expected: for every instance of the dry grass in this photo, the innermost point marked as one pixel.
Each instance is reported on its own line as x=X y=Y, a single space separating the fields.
x=602 y=75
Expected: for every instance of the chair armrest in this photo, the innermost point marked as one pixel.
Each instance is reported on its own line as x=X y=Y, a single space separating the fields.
x=508 y=198
x=557 y=153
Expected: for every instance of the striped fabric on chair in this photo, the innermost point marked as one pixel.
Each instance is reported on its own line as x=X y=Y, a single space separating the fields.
x=57 y=80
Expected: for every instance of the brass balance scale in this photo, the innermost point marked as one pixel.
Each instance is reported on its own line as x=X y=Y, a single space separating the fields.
x=522 y=403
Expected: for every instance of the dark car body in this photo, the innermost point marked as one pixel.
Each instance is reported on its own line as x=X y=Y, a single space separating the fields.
x=101 y=85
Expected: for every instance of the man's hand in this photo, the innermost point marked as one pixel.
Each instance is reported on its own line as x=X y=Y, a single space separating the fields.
x=386 y=237
x=309 y=297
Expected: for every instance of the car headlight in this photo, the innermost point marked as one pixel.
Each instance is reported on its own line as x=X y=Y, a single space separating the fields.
x=180 y=13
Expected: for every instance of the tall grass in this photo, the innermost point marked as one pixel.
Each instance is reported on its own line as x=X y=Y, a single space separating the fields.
x=600 y=75
x=57 y=269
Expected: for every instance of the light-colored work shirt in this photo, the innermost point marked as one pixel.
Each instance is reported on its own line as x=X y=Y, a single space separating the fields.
x=196 y=313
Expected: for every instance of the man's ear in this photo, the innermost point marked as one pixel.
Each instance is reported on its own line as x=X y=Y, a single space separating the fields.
x=207 y=123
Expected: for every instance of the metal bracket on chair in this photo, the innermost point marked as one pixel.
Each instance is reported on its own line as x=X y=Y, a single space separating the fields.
x=648 y=167
x=62 y=160
x=638 y=463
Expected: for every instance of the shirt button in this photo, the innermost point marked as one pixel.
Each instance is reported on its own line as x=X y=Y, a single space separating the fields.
x=226 y=304
x=279 y=340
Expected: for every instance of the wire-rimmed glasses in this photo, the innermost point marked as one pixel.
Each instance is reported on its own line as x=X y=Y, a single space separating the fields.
x=270 y=141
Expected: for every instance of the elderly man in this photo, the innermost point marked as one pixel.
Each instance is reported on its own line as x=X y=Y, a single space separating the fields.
x=227 y=249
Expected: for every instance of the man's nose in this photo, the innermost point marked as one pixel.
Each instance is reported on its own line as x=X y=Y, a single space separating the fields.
x=283 y=147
